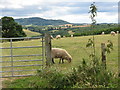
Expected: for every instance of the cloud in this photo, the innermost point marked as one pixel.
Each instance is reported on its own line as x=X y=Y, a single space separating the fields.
x=69 y=10
x=104 y=17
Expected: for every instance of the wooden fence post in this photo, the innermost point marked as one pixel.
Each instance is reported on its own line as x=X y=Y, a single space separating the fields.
x=103 y=54
x=48 y=49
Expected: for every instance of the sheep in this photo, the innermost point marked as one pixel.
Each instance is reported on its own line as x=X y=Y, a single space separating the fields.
x=117 y=32
x=71 y=35
x=51 y=37
x=60 y=53
x=112 y=33
x=103 y=33
x=64 y=36
x=58 y=36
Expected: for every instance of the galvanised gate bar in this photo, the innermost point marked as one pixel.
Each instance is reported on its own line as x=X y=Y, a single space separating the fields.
x=22 y=65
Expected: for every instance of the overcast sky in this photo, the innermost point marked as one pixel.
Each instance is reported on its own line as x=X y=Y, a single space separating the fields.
x=74 y=11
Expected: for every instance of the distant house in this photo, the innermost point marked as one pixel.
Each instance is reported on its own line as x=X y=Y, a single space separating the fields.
x=68 y=25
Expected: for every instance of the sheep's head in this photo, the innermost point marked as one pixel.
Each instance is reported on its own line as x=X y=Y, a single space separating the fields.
x=69 y=59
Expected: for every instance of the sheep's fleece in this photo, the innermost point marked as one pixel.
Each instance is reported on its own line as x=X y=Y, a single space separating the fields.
x=60 y=53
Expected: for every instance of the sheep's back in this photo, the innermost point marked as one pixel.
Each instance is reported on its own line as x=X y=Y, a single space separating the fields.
x=58 y=53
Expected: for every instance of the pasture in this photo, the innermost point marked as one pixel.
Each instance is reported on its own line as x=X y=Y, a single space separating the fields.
x=30 y=33
x=76 y=46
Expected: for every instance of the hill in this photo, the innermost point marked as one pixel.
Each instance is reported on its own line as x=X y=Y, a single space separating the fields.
x=40 y=21
x=30 y=33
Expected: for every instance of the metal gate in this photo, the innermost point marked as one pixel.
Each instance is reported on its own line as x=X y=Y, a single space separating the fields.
x=21 y=56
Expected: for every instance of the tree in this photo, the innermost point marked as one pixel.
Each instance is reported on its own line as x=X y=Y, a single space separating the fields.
x=10 y=28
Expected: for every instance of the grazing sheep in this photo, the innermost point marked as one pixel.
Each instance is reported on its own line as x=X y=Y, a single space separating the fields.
x=112 y=33
x=58 y=36
x=71 y=35
x=51 y=37
x=103 y=33
x=64 y=36
x=117 y=32
x=60 y=53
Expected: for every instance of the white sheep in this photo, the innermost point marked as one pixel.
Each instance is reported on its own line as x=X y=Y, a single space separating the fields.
x=103 y=33
x=64 y=36
x=60 y=53
x=117 y=32
x=51 y=37
x=58 y=36
x=112 y=33
x=71 y=35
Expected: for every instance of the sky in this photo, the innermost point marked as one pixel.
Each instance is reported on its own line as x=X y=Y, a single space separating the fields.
x=73 y=11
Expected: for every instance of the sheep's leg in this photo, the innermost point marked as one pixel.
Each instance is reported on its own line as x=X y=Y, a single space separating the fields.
x=62 y=60
x=53 y=61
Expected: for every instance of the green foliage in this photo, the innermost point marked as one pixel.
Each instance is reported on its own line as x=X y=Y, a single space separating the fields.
x=87 y=75
x=55 y=78
x=60 y=32
x=97 y=30
x=93 y=11
x=83 y=76
x=90 y=43
x=109 y=46
x=11 y=29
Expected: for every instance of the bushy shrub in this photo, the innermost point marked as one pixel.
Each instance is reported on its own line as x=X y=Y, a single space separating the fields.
x=88 y=75
x=85 y=75
x=55 y=78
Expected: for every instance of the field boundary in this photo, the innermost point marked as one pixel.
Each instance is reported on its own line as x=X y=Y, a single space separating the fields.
x=11 y=56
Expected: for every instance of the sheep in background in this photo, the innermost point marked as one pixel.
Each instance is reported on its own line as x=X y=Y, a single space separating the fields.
x=112 y=33
x=117 y=32
x=60 y=53
x=51 y=37
x=64 y=36
x=71 y=35
x=58 y=36
x=103 y=33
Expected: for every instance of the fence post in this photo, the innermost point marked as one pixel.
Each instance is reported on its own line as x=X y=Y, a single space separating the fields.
x=48 y=49
x=43 y=51
x=103 y=54
x=11 y=53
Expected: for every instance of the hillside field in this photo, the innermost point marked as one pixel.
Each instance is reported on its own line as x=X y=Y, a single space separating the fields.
x=76 y=46
x=30 y=33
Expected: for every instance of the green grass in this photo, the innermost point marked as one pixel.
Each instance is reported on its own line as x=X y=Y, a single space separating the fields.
x=30 y=33
x=76 y=46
